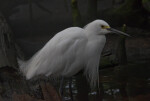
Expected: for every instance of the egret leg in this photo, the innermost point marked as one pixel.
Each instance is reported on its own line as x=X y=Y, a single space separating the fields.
x=70 y=89
x=61 y=87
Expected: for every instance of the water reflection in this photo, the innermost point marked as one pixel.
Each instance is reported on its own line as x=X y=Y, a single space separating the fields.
x=121 y=83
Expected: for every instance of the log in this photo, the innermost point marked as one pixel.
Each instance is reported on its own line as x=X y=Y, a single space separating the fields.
x=7 y=47
x=13 y=86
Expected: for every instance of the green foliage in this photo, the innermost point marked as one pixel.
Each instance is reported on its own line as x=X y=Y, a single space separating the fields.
x=129 y=8
x=146 y=4
x=145 y=1
x=76 y=13
x=128 y=13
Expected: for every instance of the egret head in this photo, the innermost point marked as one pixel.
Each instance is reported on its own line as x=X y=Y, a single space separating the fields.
x=101 y=27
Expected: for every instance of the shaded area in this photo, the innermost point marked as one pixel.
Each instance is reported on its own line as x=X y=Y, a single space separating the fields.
x=34 y=22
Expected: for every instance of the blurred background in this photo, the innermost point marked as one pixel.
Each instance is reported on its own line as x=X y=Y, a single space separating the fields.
x=124 y=66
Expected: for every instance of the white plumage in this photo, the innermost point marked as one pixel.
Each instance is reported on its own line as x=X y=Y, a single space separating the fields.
x=70 y=51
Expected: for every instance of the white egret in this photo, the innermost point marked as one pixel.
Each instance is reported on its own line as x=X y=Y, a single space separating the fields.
x=70 y=51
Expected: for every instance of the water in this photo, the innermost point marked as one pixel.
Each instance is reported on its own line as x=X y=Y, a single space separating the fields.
x=120 y=83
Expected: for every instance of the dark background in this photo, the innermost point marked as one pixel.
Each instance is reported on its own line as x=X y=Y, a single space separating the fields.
x=34 y=22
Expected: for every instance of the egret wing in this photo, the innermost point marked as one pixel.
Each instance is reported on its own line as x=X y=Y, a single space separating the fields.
x=58 y=55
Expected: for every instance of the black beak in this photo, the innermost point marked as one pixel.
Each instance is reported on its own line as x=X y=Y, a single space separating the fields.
x=117 y=31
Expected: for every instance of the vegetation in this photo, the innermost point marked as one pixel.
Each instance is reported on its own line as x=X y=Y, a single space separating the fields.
x=130 y=9
x=124 y=71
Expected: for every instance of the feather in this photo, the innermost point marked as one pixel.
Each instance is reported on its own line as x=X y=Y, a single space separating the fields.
x=68 y=52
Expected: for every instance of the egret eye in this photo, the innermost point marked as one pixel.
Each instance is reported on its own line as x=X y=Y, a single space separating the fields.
x=102 y=26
